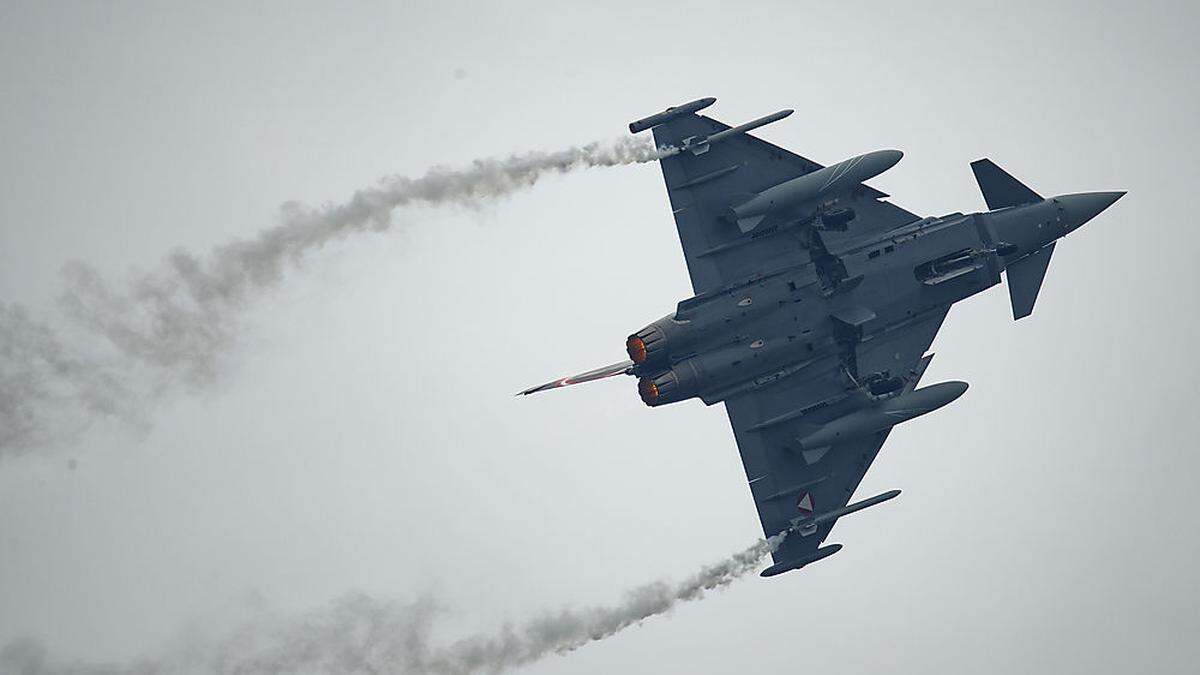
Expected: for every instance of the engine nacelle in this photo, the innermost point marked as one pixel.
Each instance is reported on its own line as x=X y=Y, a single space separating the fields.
x=654 y=345
x=699 y=374
x=648 y=346
x=679 y=383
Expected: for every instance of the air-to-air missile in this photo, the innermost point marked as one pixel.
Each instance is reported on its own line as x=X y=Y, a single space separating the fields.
x=805 y=527
x=811 y=187
x=699 y=145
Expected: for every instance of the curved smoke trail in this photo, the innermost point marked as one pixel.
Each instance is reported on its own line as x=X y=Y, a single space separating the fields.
x=360 y=634
x=169 y=328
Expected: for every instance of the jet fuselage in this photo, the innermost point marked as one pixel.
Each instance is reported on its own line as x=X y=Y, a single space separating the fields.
x=783 y=323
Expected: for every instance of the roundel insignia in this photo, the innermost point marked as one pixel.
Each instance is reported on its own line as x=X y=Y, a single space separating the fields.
x=805 y=504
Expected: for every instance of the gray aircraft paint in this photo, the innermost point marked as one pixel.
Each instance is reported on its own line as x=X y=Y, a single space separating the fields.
x=816 y=301
x=320 y=463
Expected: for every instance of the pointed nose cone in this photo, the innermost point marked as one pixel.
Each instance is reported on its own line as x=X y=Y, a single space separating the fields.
x=1083 y=207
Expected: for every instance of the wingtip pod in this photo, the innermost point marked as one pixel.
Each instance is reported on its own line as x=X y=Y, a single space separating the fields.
x=670 y=114
x=789 y=565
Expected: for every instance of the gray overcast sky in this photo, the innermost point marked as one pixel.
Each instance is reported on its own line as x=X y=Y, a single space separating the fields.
x=365 y=436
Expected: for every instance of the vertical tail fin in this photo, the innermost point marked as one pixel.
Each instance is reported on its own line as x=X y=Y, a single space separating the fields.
x=999 y=188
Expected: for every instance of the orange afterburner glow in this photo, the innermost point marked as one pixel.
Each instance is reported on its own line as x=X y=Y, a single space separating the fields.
x=636 y=349
x=648 y=390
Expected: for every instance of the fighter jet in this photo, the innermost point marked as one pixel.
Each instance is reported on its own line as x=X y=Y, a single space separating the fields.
x=815 y=301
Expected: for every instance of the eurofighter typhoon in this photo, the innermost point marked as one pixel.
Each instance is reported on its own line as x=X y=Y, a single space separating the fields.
x=816 y=299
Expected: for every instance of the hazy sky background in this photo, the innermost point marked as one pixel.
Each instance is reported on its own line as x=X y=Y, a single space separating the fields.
x=365 y=435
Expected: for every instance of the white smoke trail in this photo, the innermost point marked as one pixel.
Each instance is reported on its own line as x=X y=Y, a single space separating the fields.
x=169 y=328
x=359 y=634
x=41 y=381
